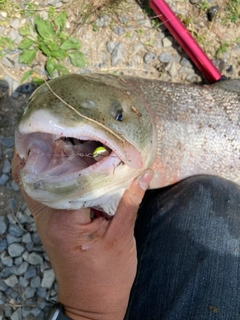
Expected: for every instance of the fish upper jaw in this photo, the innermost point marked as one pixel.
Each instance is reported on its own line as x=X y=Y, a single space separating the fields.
x=123 y=149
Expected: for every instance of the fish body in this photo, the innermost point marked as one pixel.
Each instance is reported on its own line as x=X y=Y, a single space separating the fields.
x=177 y=130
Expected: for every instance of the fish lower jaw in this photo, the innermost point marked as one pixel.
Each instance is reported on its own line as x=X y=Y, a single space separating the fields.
x=107 y=203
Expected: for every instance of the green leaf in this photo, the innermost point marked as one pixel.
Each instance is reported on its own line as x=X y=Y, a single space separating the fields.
x=50 y=66
x=27 y=56
x=70 y=43
x=59 y=54
x=25 y=31
x=77 y=59
x=6 y=43
x=51 y=12
x=45 y=50
x=60 y=20
x=62 y=69
x=63 y=35
x=45 y=29
x=26 y=75
x=26 y=43
x=37 y=81
x=52 y=45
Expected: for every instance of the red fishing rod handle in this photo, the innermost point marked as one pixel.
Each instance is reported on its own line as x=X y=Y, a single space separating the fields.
x=186 y=41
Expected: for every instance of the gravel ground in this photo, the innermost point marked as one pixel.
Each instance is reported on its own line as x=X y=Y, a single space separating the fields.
x=124 y=42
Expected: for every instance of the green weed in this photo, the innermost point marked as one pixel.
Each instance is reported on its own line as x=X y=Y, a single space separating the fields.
x=233 y=10
x=49 y=38
x=222 y=49
x=6 y=44
x=204 y=5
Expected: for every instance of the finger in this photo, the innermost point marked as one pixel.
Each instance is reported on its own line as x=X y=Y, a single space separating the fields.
x=127 y=210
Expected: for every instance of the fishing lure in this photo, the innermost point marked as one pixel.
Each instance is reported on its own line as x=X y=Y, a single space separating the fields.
x=99 y=153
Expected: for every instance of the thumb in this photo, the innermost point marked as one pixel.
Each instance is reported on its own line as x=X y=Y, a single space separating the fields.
x=128 y=207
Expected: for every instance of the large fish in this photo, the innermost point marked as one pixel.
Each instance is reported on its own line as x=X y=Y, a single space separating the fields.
x=85 y=137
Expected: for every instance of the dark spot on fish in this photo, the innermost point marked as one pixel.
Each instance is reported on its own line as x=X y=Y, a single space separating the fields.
x=38 y=185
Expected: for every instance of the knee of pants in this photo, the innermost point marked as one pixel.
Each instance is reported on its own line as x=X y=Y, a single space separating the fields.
x=206 y=208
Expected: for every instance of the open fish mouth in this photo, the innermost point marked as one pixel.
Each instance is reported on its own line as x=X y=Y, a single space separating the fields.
x=56 y=157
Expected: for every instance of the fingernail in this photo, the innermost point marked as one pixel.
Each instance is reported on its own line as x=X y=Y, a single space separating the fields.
x=145 y=178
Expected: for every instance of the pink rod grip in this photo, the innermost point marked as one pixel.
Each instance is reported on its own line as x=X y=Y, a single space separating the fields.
x=186 y=41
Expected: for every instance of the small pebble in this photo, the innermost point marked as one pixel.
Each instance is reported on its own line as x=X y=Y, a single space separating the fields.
x=23 y=282
x=3 y=286
x=110 y=46
x=17 y=315
x=3 y=179
x=15 y=230
x=3 y=225
x=48 y=278
x=21 y=217
x=6 y=259
x=30 y=273
x=229 y=69
x=15 y=250
x=11 y=281
x=35 y=312
x=3 y=14
x=3 y=245
x=14 y=186
x=8 y=142
x=35 y=258
x=149 y=57
x=172 y=69
x=15 y=24
x=29 y=292
x=35 y=282
x=117 y=54
x=103 y=21
x=186 y=62
x=18 y=261
x=12 y=239
x=23 y=268
x=167 y=42
x=118 y=30
x=165 y=57
x=193 y=78
x=2 y=298
x=41 y=292
x=26 y=238
x=212 y=12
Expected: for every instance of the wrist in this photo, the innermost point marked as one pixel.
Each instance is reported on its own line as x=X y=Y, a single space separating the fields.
x=94 y=307
x=86 y=315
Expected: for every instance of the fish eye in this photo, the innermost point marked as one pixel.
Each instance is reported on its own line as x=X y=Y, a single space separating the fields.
x=119 y=117
x=117 y=111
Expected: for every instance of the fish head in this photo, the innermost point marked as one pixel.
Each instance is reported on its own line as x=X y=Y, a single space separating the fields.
x=64 y=124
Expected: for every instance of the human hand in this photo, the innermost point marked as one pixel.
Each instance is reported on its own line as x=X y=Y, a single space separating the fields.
x=95 y=260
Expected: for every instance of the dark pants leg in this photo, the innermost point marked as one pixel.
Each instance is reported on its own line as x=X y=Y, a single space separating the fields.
x=188 y=239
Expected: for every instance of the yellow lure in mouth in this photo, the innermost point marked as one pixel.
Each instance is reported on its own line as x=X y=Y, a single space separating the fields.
x=99 y=153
